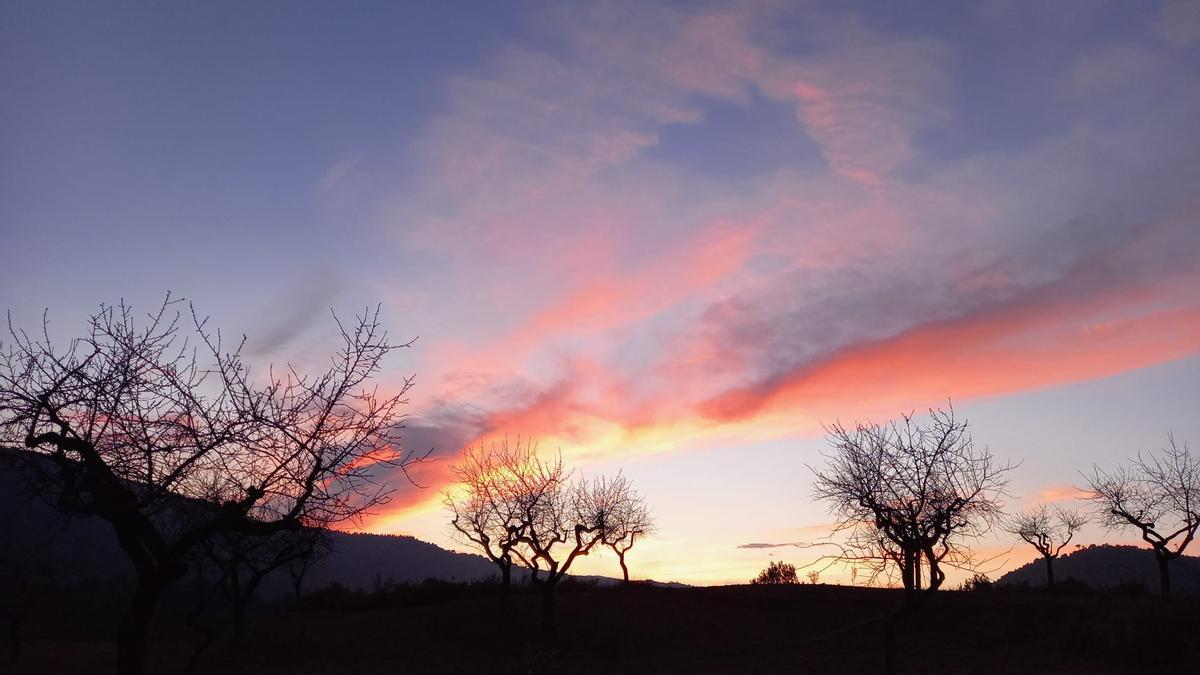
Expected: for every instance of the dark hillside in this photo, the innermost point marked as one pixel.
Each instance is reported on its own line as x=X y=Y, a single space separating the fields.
x=1108 y=566
x=735 y=629
x=31 y=528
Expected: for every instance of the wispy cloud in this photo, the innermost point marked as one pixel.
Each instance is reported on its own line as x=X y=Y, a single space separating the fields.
x=785 y=544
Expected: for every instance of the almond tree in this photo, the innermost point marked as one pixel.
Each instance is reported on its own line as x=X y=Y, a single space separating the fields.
x=517 y=507
x=483 y=510
x=243 y=562
x=1047 y=530
x=559 y=521
x=627 y=519
x=923 y=489
x=1157 y=494
x=158 y=428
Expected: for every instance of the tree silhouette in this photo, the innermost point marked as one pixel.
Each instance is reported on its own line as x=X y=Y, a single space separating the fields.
x=243 y=562
x=163 y=432
x=1159 y=495
x=625 y=517
x=519 y=508
x=776 y=572
x=485 y=513
x=916 y=492
x=559 y=522
x=1047 y=530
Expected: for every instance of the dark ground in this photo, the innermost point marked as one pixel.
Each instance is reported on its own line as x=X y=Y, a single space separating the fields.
x=733 y=629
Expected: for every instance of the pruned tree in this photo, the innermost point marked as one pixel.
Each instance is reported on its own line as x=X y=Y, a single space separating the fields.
x=626 y=518
x=1157 y=494
x=239 y=565
x=918 y=491
x=1048 y=530
x=243 y=562
x=519 y=508
x=164 y=432
x=483 y=508
x=776 y=573
x=560 y=521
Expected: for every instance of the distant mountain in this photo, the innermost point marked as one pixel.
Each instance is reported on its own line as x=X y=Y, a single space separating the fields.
x=33 y=531
x=357 y=560
x=1108 y=566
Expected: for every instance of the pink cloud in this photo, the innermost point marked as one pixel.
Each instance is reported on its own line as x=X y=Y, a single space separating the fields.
x=608 y=287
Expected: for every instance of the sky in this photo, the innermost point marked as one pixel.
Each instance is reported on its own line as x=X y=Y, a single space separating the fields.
x=671 y=240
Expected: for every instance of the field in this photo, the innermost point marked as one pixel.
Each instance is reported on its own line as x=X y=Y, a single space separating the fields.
x=732 y=629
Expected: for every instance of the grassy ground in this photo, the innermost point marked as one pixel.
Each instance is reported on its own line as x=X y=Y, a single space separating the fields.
x=734 y=629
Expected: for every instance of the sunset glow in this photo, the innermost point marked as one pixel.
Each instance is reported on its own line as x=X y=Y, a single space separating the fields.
x=670 y=240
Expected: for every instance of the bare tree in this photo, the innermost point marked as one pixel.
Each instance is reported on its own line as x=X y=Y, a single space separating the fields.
x=519 y=508
x=559 y=522
x=916 y=491
x=626 y=517
x=1159 y=495
x=485 y=515
x=160 y=430
x=244 y=562
x=1047 y=530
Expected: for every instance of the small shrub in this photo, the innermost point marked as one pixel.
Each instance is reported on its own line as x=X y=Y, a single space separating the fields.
x=1071 y=586
x=777 y=572
x=977 y=583
x=1131 y=587
x=388 y=593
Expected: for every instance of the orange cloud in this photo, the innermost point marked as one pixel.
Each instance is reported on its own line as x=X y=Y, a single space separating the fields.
x=1059 y=493
x=1099 y=320
x=1129 y=307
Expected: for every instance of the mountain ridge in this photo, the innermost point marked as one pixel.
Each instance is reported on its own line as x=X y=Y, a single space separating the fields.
x=1108 y=566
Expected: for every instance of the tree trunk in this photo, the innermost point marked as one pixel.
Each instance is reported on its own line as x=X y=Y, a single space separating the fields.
x=1164 y=576
x=907 y=575
x=1049 y=571
x=239 y=623
x=936 y=575
x=624 y=569
x=891 y=625
x=240 y=603
x=210 y=636
x=505 y=581
x=548 y=610
x=135 y=626
x=889 y=642
x=14 y=638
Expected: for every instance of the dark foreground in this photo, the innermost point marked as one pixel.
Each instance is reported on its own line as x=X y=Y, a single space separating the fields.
x=734 y=629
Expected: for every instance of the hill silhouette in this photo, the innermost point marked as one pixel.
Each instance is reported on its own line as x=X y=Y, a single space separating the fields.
x=1107 y=566
x=83 y=548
